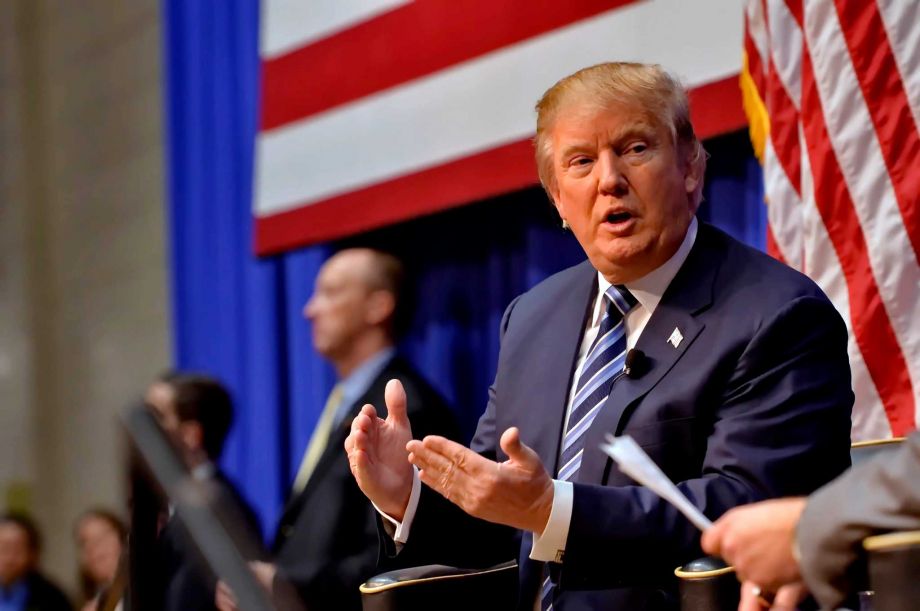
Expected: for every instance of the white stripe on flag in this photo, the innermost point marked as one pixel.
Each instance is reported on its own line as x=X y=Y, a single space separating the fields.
x=291 y=24
x=784 y=209
x=901 y=19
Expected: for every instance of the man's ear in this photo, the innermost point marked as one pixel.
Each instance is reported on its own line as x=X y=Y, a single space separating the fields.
x=380 y=306
x=555 y=200
x=693 y=175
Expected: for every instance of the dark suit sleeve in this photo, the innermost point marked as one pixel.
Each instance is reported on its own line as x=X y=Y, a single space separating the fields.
x=779 y=426
x=880 y=496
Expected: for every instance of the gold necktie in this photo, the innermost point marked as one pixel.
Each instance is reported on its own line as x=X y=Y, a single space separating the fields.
x=318 y=439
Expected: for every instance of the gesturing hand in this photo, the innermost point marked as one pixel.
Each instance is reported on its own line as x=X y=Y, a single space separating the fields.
x=377 y=453
x=517 y=492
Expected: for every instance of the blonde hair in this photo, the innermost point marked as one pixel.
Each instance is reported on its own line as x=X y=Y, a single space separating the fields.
x=647 y=86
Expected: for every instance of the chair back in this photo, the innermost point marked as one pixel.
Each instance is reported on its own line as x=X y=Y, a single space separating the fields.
x=708 y=584
x=894 y=570
x=442 y=588
x=862 y=451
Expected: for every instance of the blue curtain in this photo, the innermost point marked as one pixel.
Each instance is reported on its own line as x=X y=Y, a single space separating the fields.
x=239 y=316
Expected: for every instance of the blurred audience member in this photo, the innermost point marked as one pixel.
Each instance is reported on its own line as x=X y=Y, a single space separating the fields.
x=100 y=536
x=326 y=541
x=196 y=411
x=22 y=586
x=788 y=545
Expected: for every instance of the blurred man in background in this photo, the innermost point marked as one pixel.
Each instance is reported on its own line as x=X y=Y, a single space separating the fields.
x=326 y=543
x=22 y=586
x=196 y=411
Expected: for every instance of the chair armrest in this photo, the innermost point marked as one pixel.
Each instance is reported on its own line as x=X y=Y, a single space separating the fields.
x=443 y=588
x=708 y=584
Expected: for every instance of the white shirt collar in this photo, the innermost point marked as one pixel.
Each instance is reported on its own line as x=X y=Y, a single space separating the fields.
x=649 y=289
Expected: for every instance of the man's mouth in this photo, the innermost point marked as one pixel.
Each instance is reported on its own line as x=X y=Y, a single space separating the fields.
x=618 y=217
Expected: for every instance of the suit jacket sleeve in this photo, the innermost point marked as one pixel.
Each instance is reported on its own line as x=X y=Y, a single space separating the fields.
x=879 y=496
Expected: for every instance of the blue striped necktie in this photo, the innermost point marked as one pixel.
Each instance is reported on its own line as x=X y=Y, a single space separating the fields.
x=603 y=363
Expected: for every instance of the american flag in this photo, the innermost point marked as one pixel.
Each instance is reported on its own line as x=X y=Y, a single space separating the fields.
x=832 y=91
x=376 y=111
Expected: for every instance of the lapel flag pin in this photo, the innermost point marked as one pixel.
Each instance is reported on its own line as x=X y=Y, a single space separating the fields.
x=676 y=338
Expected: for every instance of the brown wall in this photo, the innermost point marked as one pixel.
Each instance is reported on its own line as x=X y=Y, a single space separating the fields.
x=83 y=306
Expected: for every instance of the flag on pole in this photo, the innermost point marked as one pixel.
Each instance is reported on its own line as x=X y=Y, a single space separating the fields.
x=832 y=92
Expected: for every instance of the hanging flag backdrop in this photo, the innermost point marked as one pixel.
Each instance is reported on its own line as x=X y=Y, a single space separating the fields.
x=375 y=111
x=832 y=90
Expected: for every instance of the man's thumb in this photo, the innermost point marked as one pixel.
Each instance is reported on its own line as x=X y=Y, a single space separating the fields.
x=512 y=445
x=395 y=397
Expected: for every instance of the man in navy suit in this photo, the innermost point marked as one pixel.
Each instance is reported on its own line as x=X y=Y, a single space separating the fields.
x=738 y=387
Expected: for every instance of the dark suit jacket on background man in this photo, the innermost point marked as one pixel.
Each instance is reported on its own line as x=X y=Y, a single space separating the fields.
x=326 y=543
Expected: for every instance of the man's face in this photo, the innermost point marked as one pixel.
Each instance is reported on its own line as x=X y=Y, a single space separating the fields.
x=16 y=557
x=100 y=548
x=338 y=308
x=622 y=186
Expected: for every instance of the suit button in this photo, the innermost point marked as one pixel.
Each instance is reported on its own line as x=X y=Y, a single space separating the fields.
x=287 y=530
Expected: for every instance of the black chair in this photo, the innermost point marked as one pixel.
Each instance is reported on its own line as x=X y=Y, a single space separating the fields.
x=442 y=588
x=894 y=570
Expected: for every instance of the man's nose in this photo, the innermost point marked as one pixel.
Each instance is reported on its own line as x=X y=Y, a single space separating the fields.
x=613 y=179
x=308 y=309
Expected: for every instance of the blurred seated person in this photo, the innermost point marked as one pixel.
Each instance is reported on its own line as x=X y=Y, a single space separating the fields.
x=100 y=536
x=794 y=545
x=22 y=585
x=196 y=412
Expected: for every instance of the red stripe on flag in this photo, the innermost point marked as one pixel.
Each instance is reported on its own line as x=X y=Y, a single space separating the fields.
x=795 y=7
x=880 y=82
x=773 y=246
x=499 y=170
x=715 y=108
x=406 y=43
x=871 y=326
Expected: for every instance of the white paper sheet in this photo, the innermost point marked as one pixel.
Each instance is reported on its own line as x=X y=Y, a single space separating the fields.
x=634 y=462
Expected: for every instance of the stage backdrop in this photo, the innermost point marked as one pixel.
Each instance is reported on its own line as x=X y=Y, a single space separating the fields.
x=238 y=316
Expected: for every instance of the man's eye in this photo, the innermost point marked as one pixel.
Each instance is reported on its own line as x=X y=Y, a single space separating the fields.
x=637 y=149
x=581 y=161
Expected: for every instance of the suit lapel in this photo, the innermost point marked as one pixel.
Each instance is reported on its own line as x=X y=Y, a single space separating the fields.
x=690 y=292
x=541 y=425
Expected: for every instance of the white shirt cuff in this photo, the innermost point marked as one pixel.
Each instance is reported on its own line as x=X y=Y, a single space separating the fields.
x=549 y=546
x=402 y=528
